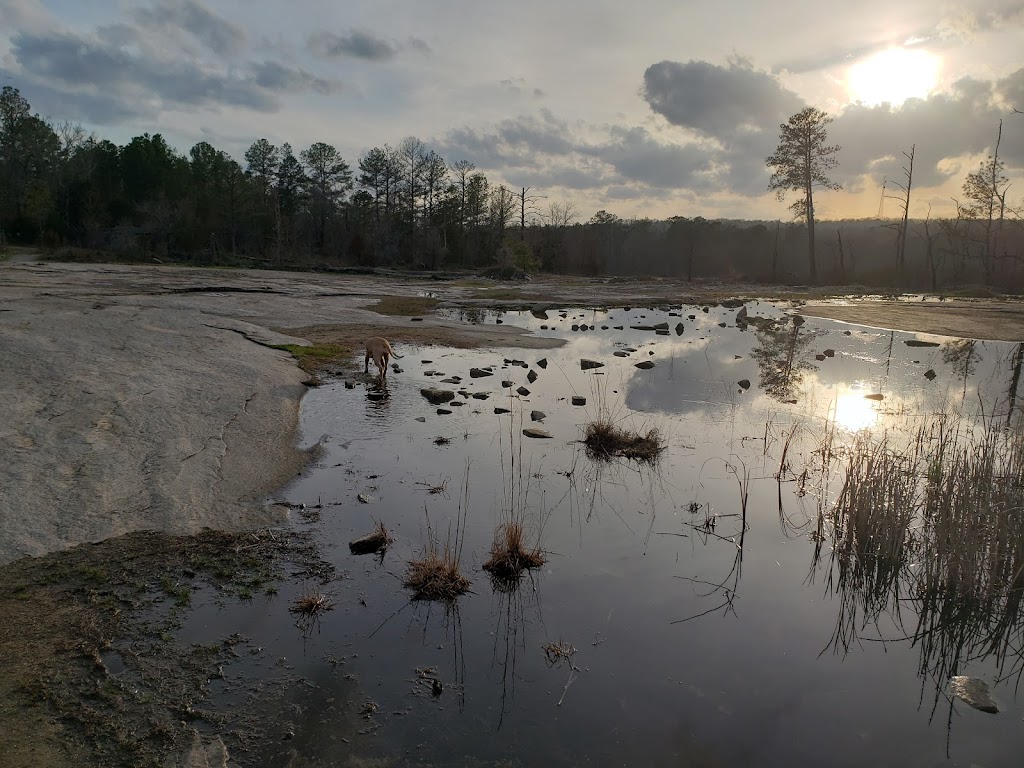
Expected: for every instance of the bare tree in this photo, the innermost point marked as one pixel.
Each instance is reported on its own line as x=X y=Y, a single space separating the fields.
x=985 y=190
x=904 y=202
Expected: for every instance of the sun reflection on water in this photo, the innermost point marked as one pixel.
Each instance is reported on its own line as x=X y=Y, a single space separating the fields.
x=853 y=412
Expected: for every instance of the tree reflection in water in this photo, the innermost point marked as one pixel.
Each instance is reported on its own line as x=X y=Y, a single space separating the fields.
x=782 y=356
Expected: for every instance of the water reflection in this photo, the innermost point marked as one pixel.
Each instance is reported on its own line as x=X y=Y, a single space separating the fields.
x=783 y=356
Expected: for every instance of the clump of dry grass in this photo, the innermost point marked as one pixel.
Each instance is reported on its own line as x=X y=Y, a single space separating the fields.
x=436 y=575
x=605 y=439
x=557 y=652
x=312 y=604
x=509 y=555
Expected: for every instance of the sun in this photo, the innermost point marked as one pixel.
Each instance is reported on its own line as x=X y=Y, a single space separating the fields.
x=892 y=76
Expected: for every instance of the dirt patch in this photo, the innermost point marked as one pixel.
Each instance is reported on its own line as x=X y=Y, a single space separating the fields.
x=993 y=320
x=92 y=672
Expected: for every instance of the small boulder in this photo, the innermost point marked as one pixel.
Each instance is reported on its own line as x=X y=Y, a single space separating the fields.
x=531 y=376
x=645 y=365
x=679 y=329
x=975 y=692
x=744 y=383
x=479 y=373
x=480 y=395
x=535 y=432
x=437 y=396
x=443 y=412
x=542 y=363
x=537 y=415
x=930 y=374
x=579 y=400
x=523 y=391
x=501 y=410
x=586 y=365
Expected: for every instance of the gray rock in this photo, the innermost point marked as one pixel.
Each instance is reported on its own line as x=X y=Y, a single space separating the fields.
x=537 y=415
x=420 y=419
x=744 y=383
x=620 y=353
x=501 y=410
x=506 y=384
x=437 y=396
x=479 y=373
x=579 y=400
x=480 y=395
x=535 y=432
x=350 y=385
x=586 y=365
x=930 y=374
x=975 y=692
x=523 y=391
x=531 y=376
x=645 y=365
x=363 y=498
x=542 y=363
x=679 y=329
x=443 y=412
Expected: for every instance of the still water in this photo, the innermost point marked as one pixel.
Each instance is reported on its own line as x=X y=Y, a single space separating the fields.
x=711 y=623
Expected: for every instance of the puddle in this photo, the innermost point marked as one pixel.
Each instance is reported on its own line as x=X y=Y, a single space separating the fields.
x=715 y=614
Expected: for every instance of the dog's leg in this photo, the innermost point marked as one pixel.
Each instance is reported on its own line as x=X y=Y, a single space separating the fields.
x=366 y=365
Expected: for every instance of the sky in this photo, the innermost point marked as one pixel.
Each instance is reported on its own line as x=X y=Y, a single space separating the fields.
x=648 y=108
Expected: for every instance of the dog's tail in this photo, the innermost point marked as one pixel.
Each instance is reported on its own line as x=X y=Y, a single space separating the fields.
x=394 y=355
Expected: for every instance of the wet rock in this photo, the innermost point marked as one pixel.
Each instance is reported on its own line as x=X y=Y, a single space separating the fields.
x=819 y=357
x=744 y=383
x=642 y=328
x=523 y=391
x=499 y=321
x=535 y=432
x=798 y=320
x=376 y=395
x=537 y=415
x=420 y=419
x=732 y=303
x=586 y=365
x=679 y=329
x=363 y=498
x=376 y=541
x=920 y=343
x=429 y=373
x=662 y=333
x=443 y=412
x=575 y=327
x=829 y=353
x=692 y=317
x=539 y=313
x=661 y=326
x=531 y=376
x=451 y=380
x=480 y=395
x=506 y=384
x=416 y=319
x=875 y=396
x=437 y=396
x=543 y=327
x=479 y=373
x=456 y=403
x=620 y=353
x=563 y=314
x=705 y=310
x=618 y=327
x=721 y=325
x=396 y=369
x=542 y=363
x=846 y=333
x=930 y=374
x=520 y=363
x=645 y=365
x=350 y=385
x=579 y=400
x=604 y=327
x=741 y=316
x=426 y=362
x=975 y=692
x=501 y=410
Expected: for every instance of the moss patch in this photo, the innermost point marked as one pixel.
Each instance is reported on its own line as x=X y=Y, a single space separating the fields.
x=319 y=359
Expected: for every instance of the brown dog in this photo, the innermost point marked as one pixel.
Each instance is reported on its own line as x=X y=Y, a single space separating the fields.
x=378 y=350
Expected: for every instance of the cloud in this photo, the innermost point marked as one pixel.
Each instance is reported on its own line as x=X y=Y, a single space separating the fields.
x=718 y=101
x=116 y=71
x=215 y=32
x=359 y=44
x=278 y=77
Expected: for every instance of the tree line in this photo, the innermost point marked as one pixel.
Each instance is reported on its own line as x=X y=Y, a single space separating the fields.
x=407 y=206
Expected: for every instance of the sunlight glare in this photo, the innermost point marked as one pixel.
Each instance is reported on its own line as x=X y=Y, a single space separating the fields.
x=893 y=76
x=853 y=413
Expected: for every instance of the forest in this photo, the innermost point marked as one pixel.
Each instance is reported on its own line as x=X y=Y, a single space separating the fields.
x=407 y=207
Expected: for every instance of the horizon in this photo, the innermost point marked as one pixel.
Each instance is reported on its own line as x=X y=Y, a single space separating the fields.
x=653 y=112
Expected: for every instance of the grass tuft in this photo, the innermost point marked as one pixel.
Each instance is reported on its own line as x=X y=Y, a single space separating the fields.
x=606 y=440
x=436 y=575
x=378 y=540
x=312 y=604
x=509 y=556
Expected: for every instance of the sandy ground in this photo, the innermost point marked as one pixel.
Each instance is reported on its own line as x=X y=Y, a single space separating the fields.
x=145 y=398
